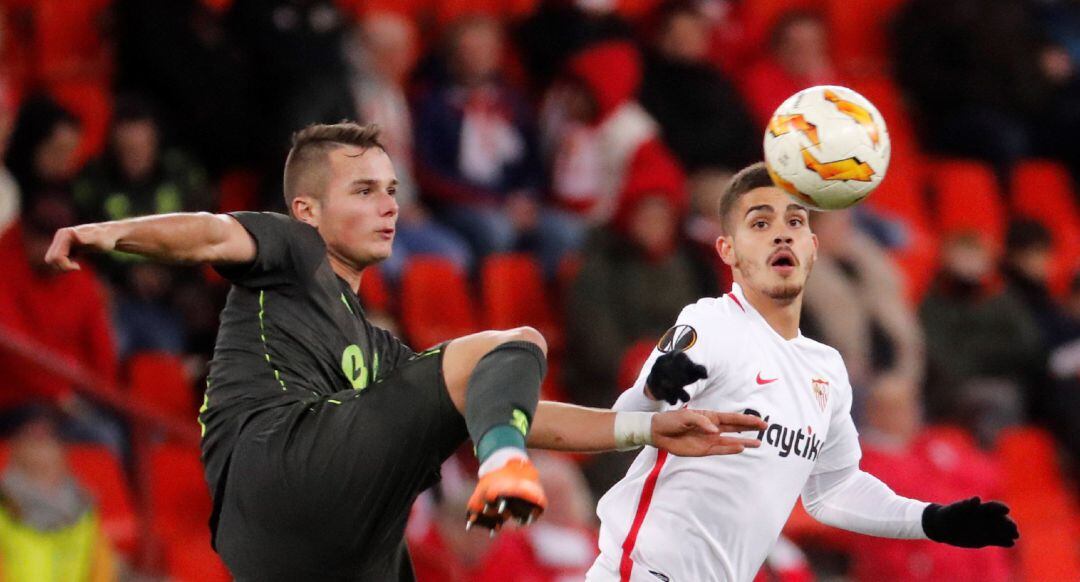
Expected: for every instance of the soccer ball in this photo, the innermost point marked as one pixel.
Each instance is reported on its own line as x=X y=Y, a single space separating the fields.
x=827 y=147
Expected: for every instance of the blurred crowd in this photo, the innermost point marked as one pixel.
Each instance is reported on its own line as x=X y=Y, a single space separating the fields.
x=591 y=140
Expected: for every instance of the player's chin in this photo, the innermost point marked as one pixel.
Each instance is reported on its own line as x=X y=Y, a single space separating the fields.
x=785 y=290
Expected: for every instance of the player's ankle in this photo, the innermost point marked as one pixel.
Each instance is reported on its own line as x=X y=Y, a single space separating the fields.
x=499 y=458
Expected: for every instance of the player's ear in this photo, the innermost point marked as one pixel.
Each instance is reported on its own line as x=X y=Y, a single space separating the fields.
x=306 y=209
x=813 y=237
x=726 y=251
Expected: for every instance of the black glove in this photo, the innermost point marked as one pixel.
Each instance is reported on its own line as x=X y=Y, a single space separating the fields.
x=970 y=524
x=670 y=373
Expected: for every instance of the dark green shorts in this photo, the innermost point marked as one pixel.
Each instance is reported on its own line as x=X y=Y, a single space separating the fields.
x=322 y=490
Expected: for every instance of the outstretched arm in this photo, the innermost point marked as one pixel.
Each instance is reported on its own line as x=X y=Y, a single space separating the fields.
x=173 y=238
x=857 y=501
x=688 y=433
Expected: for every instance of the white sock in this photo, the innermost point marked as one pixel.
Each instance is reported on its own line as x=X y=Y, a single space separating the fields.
x=501 y=457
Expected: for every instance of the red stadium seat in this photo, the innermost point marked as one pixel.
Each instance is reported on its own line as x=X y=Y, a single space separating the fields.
x=159 y=379
x=435 y=302
x=512 y=294
x=967 y=199
x=374 y=292
x=632 y=360
x=238 y=190
x=98 y=469
x=1042 y=506
x=191 y=559
x=1043 y=191
x=179 y=498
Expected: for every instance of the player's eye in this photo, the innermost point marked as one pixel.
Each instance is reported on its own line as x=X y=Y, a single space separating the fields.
x=364 y=191
x=759 y=224
x=391 y=191
x=797 y=221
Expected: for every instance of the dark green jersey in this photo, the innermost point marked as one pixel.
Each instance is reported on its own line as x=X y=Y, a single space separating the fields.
x=291 y=331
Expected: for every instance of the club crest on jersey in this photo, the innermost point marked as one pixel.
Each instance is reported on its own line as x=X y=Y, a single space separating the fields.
x=677 y=339
x=820 y=387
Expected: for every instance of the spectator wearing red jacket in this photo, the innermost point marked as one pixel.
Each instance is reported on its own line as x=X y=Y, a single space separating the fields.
x=798 y=58
x=597 y=133
x=65 y=313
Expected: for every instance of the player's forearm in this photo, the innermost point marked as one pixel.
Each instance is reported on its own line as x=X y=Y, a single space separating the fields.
x=857 y=501
x=565 y=427
x=175 y=238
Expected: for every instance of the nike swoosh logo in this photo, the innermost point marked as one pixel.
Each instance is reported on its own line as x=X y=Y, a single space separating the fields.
x=761 y=381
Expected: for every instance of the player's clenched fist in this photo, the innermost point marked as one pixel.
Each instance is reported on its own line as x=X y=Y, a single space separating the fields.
x=67 y=240
x=697 y=433
x=670 y=374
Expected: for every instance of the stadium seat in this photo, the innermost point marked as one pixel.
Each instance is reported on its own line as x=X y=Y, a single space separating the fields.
x=632 y=360
x=435 y=302
x=238 y=190
x=374 y=292
x=159 y=380
x=967 y=199
x=98 y=469
x=1042 y=506
x=1043 y=191
x=858 y=34
x=512 y=294
x=179 y=499
x=191 y=559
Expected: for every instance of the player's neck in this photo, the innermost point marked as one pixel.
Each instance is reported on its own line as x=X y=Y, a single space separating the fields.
x=781 y=315
x=346 y=271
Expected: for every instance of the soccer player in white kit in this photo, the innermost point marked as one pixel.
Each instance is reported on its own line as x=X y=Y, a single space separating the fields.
x=677 y=519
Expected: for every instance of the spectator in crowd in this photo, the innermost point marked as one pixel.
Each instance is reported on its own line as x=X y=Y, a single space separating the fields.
x=1063 y=390
x=476 y=153
x=798 y=57
x=636 y=275
x=382 y=55
x=854 y=302
x=138 y=176
x=49 y=525
x=922 y=463
x=970 y=69
x=44 y=144
x=560 y=547
x=65 y=313
x=183 y=54
x=597 y=134
x=701 y=115
x=981 y=342
x=559 y=29
x=1059 y=61
x=703 y=226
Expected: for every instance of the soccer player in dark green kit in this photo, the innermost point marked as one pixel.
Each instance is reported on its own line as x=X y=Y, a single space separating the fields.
x=320 y=429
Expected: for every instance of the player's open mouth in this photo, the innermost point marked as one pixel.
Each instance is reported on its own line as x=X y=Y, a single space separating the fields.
x=783 y=261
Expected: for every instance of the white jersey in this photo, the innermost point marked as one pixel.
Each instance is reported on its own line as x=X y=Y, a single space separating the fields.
x=682 y=519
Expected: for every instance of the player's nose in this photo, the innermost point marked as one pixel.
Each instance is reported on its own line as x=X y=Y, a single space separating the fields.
x=783 y=239
x=389 y=206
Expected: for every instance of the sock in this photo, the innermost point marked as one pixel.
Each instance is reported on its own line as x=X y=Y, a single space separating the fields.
x=503 y=391
x=499 y=458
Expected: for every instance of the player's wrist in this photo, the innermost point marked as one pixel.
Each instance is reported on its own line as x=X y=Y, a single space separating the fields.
x=633 y=430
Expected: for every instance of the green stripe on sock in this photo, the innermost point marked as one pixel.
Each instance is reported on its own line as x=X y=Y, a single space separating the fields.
x=499 y=436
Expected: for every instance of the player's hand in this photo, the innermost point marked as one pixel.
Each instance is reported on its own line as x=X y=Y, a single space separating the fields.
x=697 y=433
x=73 y=238
x=669 y=376
x=970 y=524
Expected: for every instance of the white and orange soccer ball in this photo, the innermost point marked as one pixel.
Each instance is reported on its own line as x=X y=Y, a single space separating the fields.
x=828 y=147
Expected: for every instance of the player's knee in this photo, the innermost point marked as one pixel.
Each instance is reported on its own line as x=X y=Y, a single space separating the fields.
x=528 y=334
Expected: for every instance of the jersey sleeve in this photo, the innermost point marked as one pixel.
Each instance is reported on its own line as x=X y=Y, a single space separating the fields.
x=393 y=351
x=841 y=448
x=286 y=250
x=692 y=334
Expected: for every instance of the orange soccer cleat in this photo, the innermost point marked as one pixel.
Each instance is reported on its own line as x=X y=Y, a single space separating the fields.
x=510 y=492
